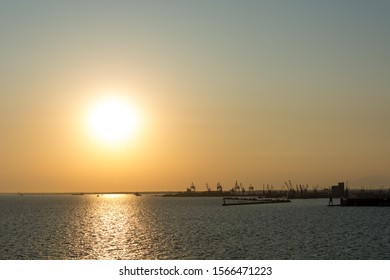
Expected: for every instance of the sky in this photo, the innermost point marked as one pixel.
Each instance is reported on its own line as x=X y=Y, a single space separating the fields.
x=256 y=91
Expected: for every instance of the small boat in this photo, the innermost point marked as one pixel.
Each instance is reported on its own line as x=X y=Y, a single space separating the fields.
x=230 y=201
x=137 y=194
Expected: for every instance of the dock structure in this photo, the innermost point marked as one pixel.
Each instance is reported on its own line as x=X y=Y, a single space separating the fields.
x=232 y=201
x=378 y=197
x=365 y=201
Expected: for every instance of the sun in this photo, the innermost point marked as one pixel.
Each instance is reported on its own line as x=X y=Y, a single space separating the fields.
x=112 y=120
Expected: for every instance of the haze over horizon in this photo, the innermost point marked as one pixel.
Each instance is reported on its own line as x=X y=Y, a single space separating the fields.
x=256 y=91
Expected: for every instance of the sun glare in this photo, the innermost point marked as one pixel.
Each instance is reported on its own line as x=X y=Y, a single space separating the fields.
x=112 y=120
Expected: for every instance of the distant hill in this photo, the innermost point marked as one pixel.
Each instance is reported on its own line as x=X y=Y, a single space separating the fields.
x=372 y=181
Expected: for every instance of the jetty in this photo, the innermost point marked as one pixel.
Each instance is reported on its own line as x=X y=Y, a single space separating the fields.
x=359 y=198
x=365 y=201
x=232 y=201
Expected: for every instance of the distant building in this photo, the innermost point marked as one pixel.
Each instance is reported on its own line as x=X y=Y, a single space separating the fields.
x=338 y=190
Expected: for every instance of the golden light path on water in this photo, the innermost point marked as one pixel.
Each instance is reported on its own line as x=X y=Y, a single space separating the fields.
x=119 y=226
x=116 y=227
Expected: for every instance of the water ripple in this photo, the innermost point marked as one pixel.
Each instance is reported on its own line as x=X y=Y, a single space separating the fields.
x=150 y=227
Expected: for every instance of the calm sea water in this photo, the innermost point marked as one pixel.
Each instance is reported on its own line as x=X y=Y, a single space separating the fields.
x=152 y=227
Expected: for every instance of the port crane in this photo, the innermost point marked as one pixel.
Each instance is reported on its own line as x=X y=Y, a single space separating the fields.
x=219 y=187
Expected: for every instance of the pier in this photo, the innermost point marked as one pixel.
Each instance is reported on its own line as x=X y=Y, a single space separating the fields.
x=231 y=201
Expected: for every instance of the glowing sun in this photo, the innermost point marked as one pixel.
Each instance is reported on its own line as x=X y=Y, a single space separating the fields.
x=112 y=120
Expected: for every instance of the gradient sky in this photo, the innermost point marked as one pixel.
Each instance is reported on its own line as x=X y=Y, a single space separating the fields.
x=255 y=91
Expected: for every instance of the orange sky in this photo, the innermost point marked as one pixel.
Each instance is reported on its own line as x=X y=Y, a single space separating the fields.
x=255 y=92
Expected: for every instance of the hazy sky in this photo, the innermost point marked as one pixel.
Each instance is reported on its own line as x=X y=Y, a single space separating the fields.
x=255 y=91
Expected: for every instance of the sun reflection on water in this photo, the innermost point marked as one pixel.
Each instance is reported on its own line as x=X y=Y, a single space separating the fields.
x=115 y=228
x=112 y=195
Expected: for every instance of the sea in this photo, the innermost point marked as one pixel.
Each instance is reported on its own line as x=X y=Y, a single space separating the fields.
x=153 y=227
